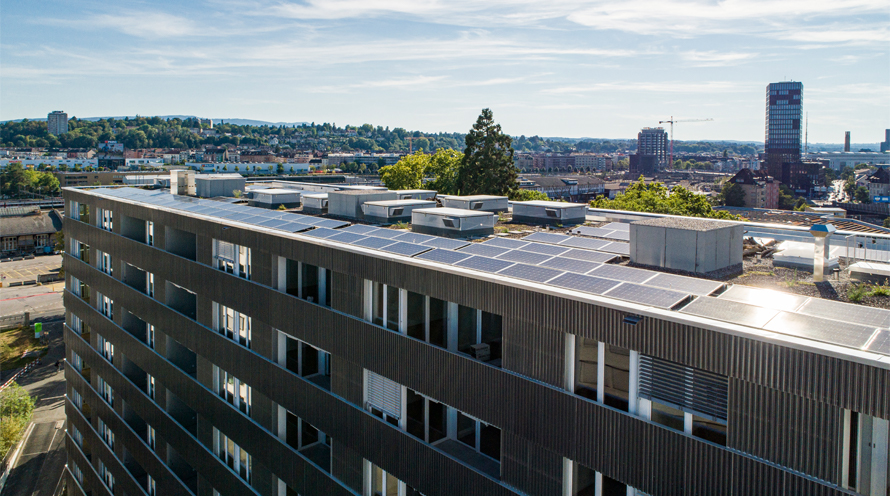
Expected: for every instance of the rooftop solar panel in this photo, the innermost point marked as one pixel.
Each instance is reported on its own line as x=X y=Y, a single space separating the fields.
x=618 y=248
x=407 y=249
x=386 y=233
x=622 y=273
x=730 y=311
x=592 y=231
x=321 y=232
x=827 y=331
x=619 y=235
x=272 y=223
x=546 y=237
x=360 y=229
x=347 y=237
x=412 y=237
x=586 y=243
x=523 y=257
x=545 y=249
x=837 y=310
x=372 y=242
x=444 y=256
x=330 y=223
x=570 y=265
x=446 y=243
x=587 y=284
x=880 y=343
x=685 y=284
x=655 y=297
x=530 y=272
x=484 y=264
x=484 y=250
x=764 y=297
x=617 y=226
x=512 y=244
x=590 y=256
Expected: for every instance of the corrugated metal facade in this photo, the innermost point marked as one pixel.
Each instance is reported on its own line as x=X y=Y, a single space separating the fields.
x=540 y=422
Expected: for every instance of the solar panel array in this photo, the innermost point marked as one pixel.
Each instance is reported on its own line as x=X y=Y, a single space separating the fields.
x=605 y=232
x=617 y=247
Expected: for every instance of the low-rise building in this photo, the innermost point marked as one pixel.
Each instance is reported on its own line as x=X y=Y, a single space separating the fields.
x=839 y=160
x=761 y=190
x=103 y=178
x=878 y=184
x=26 y=230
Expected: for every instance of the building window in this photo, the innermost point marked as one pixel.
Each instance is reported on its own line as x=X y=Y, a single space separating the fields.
x=150 y=233
x=150 y=386
x=105 y=348
x=76 y=472
x=602 y=372
x=76 y=361
x=233 y=390
x=377 y=482
x=308 y=440
x=106 y=476
x=80 y=289
x=106 y=434
x=105 y=390
x=151 y=486
x=584 y=481
x=305 y=281
x=306 y=361
x=232 y=324
x=80 y=251
x=383 y=398
x=104 y=262
x=150 y=436
x=865 y=457
x=83 y=212
x=76 y=435
x=77 y=399
x=232 y=258
x=232 y=455
x=106 y=305
x=105 y=219
x=150 y=284
x=150 y=335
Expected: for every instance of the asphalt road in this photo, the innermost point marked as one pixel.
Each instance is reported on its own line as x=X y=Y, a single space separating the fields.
x=39 y=300
x=43 y=457
x=27 y=270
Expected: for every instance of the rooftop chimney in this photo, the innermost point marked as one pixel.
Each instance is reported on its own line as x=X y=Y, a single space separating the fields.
x=821 y=250
x=847 y=141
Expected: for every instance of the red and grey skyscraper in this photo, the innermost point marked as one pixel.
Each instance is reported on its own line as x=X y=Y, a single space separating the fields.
x=784 y=105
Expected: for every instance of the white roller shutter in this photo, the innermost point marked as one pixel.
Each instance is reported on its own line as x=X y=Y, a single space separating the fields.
x=226 y=251
x=384 y=394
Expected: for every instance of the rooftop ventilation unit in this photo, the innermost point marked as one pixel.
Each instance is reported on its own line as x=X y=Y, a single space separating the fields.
x=274 y=197
x=549 y=212
x=392 y=211
x=688 y=244
x=315 y=203
x=417 y=194
x=214 y=185
x=484 y=203
x=348 y=203
x=182 y=182
x=453 y=222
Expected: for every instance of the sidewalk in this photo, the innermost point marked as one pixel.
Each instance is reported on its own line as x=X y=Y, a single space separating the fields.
x=39 y=467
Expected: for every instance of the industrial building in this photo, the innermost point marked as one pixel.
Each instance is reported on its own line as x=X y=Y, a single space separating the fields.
x=217 y=348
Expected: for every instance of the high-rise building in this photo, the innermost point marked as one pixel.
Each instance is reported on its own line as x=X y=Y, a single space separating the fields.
x=885 y=145
x=57 y=122
x=218 y=348
x=654 y=141
x=847 y=141
x=784 y=104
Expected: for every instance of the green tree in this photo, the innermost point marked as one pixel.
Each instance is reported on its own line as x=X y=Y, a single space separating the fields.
x=407 y=173
x=656 y=198
x=487 y=167
x=786 y=198
x=887 y=222
x=443 y=168
x=528 y=195
x=280 y=169
x=15 y=180
x=861 y=195
x=732 y=195
x=16 y=407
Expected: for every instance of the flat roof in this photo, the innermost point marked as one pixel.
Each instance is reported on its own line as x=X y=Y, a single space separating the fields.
x=400 y=203
x=276 y=191
x=550 y=204
x=474 y=197
x=684 y=223
x=358 y=192
x=573 y=267
x=454 y=212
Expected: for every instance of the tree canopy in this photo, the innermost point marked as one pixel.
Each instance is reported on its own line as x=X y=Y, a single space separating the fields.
x=528 y=195
x=411 y=170
x=732 y=195
x=407 y=173
x=487 y=167
x=16 y=181
x=656 y=198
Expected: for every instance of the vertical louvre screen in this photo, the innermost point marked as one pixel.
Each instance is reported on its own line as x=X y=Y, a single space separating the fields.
x=226 y=251
x=384 y=394
x=690 y=389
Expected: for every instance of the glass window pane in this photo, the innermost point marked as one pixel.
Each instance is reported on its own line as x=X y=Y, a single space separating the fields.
x=392 y=308
x=438 y=422
x=416 y=304
x=466 y=430
x=438 y=322
x=617 y=376
x=667 y=416
x=310 y=435
x=466 y=328
x=492 y=333
x=415 y=414
x=587 y=353
x=377 y=302
x=612 y=487
x=709 y=430
x=310 y=360
x=392 y=486
x=376 y=481
x=490 y=441
x=310 y=282
x=584 y=481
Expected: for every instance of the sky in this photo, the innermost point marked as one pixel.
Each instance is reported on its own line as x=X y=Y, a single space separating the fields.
x=597 y=68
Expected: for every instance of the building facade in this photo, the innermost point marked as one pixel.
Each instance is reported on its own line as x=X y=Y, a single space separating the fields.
x=839 y=160
x=57 y=122
x=784 y=107
x=209 y=356
x=761 y=190
x=654 y=141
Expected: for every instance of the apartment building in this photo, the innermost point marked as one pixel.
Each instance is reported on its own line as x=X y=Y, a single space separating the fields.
x=761 y=190
x=223 y=349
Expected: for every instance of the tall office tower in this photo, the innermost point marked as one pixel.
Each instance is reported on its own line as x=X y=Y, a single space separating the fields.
x=784 y=103
x=654 y=141
x=57 y=122
x=885 y=145
x=847 y=141
x=217 y=348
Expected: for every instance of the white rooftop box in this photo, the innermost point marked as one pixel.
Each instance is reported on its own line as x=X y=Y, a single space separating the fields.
x=392 y=211
x=315 y=203
x=549 y=212
x=348 y=203
x=453 y=222
x=275 y=197
x=417 y=194
x=485 y=203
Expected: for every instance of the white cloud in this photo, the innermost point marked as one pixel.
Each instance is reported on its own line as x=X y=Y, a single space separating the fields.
x=713 y=58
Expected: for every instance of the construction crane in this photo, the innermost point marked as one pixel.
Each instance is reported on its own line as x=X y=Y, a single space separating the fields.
x=672 y=121
x=411 y=139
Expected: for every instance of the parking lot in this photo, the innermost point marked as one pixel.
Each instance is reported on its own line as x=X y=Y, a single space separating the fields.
x=28 y=270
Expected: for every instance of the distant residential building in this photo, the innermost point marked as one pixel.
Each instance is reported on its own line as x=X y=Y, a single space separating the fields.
x=258 y=157
x=209 y=122
x=644 y=165
x=57 y=122
x=103 y=178
x=571 y=188
x=654 y=141
x=784 y=106
x=215 y=154
x=110 y=155
x=55 y=163
x=524 y=161
x=761 y=190
x=878 y=184
x=591 y=161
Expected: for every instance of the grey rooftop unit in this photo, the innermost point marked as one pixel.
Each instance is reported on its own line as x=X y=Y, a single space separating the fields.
x=348 y=203
x=315 y=203
x=213 y=185
x=417 y=194
x=453 y=222
x=275 y=197
x=485 y=203
x=686 y=243
x=549 y=212
x=392 y=211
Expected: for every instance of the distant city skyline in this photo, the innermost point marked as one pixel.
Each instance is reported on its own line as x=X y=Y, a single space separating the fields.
x=560 y=68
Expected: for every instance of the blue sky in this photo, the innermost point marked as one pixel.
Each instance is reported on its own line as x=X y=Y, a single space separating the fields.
x=596 y=68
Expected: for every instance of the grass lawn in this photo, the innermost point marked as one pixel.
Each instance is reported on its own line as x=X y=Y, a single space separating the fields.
x=14 y=343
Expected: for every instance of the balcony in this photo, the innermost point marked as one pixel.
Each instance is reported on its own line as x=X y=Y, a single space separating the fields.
x=181 y=243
